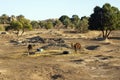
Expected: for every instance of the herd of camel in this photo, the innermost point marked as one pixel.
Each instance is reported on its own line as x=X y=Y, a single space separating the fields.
x=74 y=46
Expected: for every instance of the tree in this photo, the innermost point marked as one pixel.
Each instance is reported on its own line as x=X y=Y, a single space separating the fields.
x=16 y=25
x=49 y=25
x=19 y=24
x=12 y=18
x=4 y=19
x=42 y=24
x=67 y=23
x=26 y=26
x=75 y=19
x=57 y=24
x=118 y=24
x=65 y=20
x=25 y=23
x=83 y=24
x=35 y=24
x=105 y=19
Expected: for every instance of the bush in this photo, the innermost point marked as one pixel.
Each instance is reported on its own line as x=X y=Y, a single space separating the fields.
x=2 y=28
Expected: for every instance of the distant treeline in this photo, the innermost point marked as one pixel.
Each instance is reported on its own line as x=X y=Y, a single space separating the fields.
x=105 y=18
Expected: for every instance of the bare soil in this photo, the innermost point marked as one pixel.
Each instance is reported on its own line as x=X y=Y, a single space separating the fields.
x=97 y=60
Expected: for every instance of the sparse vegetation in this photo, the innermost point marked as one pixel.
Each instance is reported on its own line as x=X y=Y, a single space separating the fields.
x=105 y=19
x=51 y=54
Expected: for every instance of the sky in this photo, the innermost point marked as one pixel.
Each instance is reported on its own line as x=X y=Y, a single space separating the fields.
x=49 y=9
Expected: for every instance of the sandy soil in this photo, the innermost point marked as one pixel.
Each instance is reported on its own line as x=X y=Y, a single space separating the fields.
x=97 y=60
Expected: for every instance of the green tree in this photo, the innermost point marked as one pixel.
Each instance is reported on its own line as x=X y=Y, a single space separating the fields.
x=118 y=23
x=12 y=18
x=26 y=26
x=42 y=24
x=25 y=23
x=67 y=23
x=105 y=19
x=49 y=25
x=75 y=19
x=83 y=24
x=35 y=24
x=58 y=24
x=4 y=19
x=16 y=26
x=65 y=20
x=20 y=24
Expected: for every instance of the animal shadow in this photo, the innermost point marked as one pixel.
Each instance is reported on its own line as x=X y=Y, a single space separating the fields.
x=101 y=57
x=56 y=76
x=92 y=47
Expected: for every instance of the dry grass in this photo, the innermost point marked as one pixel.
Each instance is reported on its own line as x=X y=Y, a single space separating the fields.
x=97 y=60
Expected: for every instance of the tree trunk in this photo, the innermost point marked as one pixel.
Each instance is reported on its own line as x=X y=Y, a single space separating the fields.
x=106 y=33
x=103 y=33
x=22 y=32
x=109 y=33
x=17 y=35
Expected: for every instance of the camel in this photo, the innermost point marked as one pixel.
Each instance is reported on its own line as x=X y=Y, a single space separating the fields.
x=30 y=47
x=76 y=46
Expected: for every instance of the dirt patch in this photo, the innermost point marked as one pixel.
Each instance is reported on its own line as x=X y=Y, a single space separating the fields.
x=98 y=60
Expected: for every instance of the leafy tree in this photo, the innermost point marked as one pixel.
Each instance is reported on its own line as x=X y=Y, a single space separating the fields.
x=75 y=20
x=19 y=24
x=12 y=18
x=65 y=20
x=4 y=19
x=26 y=26
x=105 y=19
x=42 y=24
x=16 y=25
x=49 y=25
x=25 y=23
x=58 y=24
x=62 y=18
x=35 y=24
x=83 y=24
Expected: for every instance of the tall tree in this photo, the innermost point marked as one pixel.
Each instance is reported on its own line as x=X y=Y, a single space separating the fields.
x=104 y=19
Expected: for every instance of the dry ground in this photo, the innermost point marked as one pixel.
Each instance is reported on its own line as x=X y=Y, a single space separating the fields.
x=97 y=60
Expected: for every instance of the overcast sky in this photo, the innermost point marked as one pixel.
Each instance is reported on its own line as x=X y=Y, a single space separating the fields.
x=45 y=9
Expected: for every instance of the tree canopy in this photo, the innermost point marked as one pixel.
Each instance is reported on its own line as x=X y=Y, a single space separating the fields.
x=105 y=18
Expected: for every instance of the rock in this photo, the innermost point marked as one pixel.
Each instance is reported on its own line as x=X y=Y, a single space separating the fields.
x=40 y=50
